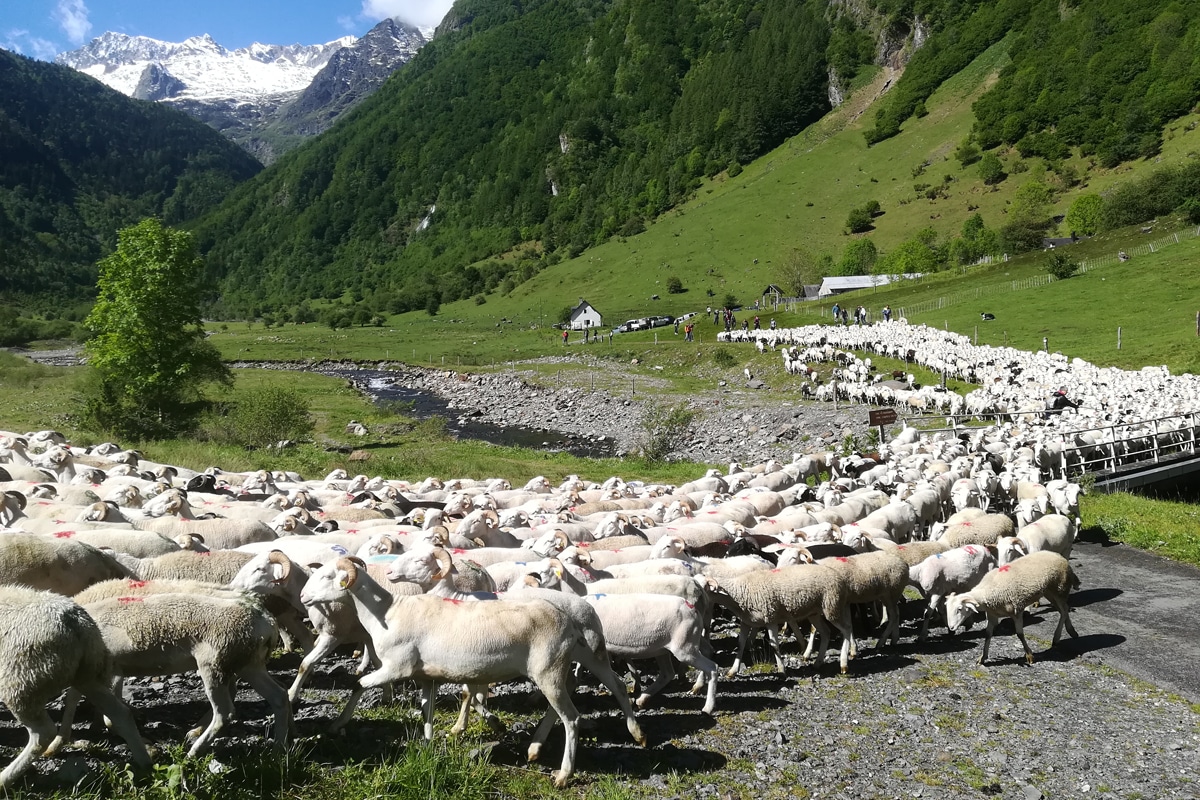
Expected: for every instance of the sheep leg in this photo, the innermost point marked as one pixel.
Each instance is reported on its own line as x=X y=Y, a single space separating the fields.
x=891 y=616
x=555 y=685
x=666 y=674
x=428 y=695
x=744 y=633
x=221 y=698
x=70 y=703
x=773 y=640
x=822 y=631
x=475 y=697
x=1019 y=623
x=122 y=720
x=846 y=627
x=692 y=656
x=987 y=636
x=33 y=716
x=348 y=710
x=1064 y=617
x=326 y=644
x=277 y=698
x=598 y=664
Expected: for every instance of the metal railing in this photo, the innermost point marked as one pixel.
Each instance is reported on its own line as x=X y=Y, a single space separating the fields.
x=1116 y=445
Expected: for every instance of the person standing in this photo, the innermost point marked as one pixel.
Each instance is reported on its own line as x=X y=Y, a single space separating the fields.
x=566 y=333
x=887 y=313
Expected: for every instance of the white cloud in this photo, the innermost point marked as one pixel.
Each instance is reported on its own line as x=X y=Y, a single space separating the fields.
x=72 y=17
x=422 y=13
x=20 y=41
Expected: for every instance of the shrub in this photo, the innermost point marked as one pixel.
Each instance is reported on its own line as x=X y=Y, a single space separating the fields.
x=723 y=358
x=663 y=430
x=1083 y=217
x=674 y=285
x=1060 y=265
x=859 y=220
x=263 y=417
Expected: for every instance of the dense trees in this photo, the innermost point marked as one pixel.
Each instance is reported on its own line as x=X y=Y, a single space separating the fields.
x=79 y=160
x=566 y=123
x=149 y=355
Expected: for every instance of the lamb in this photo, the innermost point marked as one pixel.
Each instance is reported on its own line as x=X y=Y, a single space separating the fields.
x=58 y=565
x=221 y=638
x=1008 y=590
x=657 y=626
x=431 y=639
x=50 y=644
x=956 y=570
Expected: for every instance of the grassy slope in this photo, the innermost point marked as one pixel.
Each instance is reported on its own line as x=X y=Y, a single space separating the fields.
x=711 y=243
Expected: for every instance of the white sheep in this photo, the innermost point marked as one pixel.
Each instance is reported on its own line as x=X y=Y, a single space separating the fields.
x=1052 y=532
x=54 y=564
x=956 y=570
x=657 y=626
x=431 y=639
x=223 y=639
x=1008 y=590
x=51 y=644
x=769 y=598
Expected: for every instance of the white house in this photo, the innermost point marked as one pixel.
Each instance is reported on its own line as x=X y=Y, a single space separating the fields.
x=584 y=316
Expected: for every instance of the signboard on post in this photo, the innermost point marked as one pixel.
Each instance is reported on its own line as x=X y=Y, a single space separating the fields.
x=881 y=416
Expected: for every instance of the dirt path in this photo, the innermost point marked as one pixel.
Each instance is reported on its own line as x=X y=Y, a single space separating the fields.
x=1140 y=613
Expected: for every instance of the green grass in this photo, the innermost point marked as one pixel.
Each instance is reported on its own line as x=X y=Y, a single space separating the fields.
x=1158 y=526
x=38 y=397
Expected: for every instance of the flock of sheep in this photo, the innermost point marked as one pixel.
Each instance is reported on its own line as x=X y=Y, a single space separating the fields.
x=113 y=566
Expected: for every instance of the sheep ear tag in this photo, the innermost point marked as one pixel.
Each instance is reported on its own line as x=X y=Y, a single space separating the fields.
x=343 y=579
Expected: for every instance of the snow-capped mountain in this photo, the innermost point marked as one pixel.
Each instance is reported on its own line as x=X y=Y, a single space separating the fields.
x=201 y=68
x=351 y=74
x=244 y=92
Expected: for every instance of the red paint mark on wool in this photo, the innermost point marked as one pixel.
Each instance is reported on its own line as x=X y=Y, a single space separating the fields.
x=64 y=534
x=842 y=559
x=130 y=599
x=452 y=600
x=136 y=584
x=1005 y=568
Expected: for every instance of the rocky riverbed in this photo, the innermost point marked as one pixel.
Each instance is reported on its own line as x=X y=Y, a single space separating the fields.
x=729 y=422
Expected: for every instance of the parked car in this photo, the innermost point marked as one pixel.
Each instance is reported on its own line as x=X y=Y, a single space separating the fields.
x=661 y=321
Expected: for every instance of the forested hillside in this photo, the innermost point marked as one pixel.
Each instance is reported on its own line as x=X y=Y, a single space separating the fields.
x=562 y=123
x=524 y=134
x=78 y=161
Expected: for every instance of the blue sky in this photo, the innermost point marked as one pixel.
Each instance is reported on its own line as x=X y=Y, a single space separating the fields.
x=44 y=28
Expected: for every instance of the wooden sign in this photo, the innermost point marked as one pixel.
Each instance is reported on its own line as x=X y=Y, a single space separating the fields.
x=881 y=416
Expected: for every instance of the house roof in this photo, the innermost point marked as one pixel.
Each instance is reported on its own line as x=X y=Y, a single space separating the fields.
x=583 y=303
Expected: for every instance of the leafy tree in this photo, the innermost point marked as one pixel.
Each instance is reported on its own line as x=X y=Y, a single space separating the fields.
x=149 y=355
x=858 y=258
x=1083 y=217
x=433 y=304
x=674 y=285
x=991 y=169
x=1032 y=203
x=1060 y=265
x=915 y=256
x=731 y=301
x=797 y=269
